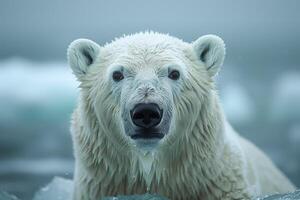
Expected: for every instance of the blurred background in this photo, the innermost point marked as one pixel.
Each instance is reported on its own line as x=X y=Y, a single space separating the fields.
x=259 y=83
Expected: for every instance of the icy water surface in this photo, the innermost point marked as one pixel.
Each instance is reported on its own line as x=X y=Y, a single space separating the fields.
x=61 y=189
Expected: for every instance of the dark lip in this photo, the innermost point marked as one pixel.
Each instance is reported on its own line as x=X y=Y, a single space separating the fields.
x=147 y=136
x=151 y=133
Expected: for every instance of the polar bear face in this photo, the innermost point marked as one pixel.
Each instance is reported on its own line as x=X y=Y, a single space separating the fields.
x=147 y=89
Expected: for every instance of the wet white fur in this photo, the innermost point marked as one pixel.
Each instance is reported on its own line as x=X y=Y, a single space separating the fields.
x=202 y=157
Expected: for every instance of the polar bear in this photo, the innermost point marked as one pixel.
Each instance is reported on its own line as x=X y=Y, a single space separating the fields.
x=149 y=120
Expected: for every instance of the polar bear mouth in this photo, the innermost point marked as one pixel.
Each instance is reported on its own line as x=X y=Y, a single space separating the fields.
x=147 y=135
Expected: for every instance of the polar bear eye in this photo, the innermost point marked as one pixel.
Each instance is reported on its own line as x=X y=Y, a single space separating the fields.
x=174 y=75
x=117 y=76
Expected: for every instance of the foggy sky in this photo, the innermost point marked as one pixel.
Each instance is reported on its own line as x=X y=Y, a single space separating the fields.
x=257 y=31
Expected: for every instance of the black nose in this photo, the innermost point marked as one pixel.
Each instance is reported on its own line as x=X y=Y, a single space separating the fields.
x=146 y=115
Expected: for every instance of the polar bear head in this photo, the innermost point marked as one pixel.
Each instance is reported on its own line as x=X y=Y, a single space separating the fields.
x=148 y=89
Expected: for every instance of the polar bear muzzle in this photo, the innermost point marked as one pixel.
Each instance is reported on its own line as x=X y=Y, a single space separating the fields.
x=146 y=117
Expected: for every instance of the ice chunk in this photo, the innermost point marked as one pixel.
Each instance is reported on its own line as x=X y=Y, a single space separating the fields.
x=288 y=196
x=6 y=196
x=137 y=197
x=41 y=82
x=61 y=189
x=58 y=189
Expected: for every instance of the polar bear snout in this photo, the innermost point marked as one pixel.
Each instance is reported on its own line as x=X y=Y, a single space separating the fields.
x=146 y=115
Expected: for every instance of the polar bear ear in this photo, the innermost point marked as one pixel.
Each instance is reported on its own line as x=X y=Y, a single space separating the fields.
x=210 y=49
x=82 y=53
